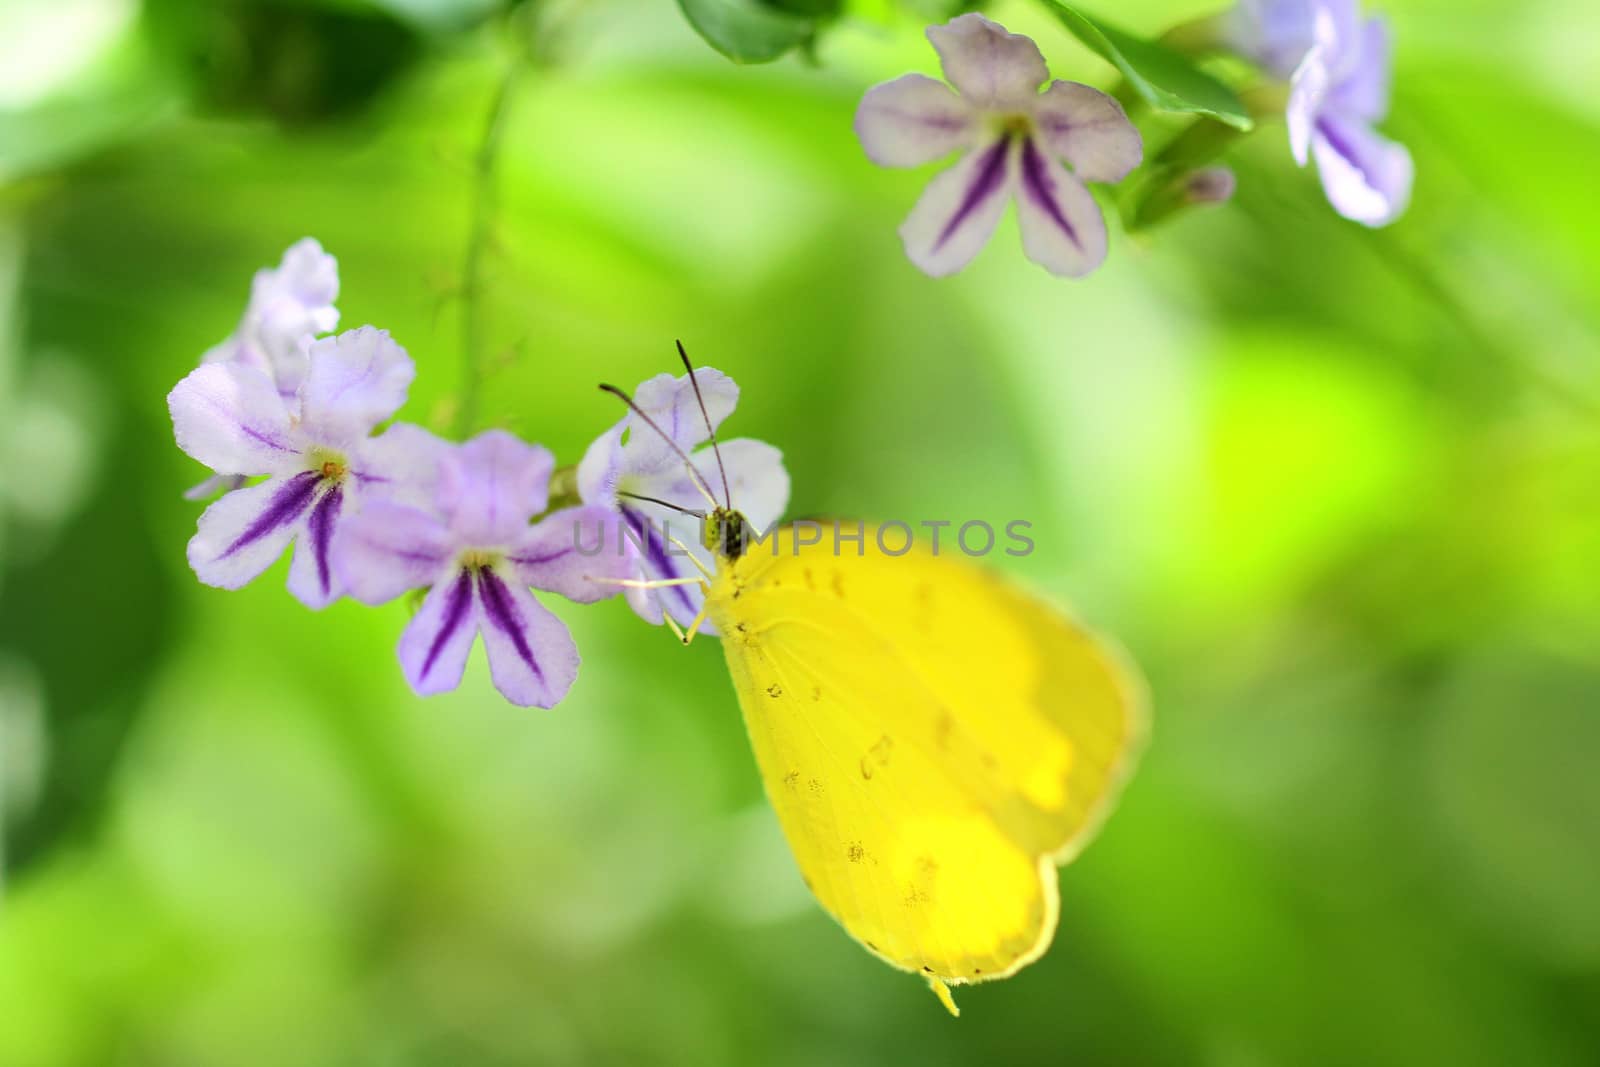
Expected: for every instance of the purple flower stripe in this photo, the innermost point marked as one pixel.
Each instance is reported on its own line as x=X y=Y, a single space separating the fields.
x=655 y=550
x=944 y=121
x=503 y=615
x=549 y=557
x=368 y=372
x=990 y=174
x=1060 y=125
x=1345 y=149
x=455 y=613
x=285 y=507
x=1039 y=186
x=229 y=414
x=271 y=442
x=323 y=517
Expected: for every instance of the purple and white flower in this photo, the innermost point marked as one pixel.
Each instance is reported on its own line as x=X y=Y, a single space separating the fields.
x=631 y=461
x=1012 y=138
x=290 y=306
x=316 y=453
x=1338 y=65
x=468 y=538
x=1273 y=34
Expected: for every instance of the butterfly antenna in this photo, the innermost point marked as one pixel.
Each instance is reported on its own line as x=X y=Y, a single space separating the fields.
x=694 y=475
x=664 y=503
x=727 y=496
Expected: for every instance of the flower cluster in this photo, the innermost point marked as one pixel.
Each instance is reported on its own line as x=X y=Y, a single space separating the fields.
x=1337 y=65
x=1041 y=148
x=289 y=424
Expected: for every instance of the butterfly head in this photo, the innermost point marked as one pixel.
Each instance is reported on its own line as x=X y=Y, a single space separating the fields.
x=724 y=533
x=724 y=529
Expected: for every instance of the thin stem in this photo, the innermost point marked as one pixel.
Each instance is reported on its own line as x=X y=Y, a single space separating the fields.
x=479 y=236
x=1405 y=261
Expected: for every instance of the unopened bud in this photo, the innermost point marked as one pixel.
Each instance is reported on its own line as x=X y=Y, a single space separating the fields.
x=1210 y=185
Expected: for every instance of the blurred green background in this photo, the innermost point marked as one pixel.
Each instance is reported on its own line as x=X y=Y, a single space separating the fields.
x=1339 y=491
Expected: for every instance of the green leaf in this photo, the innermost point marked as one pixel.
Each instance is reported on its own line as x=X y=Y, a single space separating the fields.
x=746 y=31
x=1165 y=79
x=808 y=8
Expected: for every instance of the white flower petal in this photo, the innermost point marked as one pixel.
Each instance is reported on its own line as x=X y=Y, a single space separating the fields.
x=600 y=469
x=573 y=552
x=242 y=534
x=401 y=464
x=670 y=403
x=433 y=649
x=354 y=381
x=312 y=578
x=992 y=68
x=1366 y=176
x=959 y=210
x=532 y=656
x=1062 y=228
x=1307 y=94
x=913 y=120
x=492 y=485
x=1363 y=91
x=1089 y=130
x=230 y=418
x=387 y=549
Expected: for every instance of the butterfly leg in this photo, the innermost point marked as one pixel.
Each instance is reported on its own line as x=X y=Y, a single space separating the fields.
x=694 y=627
x=672 y=624
x=701 y=567
x=653 y=583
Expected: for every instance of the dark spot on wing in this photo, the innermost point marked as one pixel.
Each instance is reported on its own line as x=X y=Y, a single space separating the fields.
x=816 y=693
x=792 y=779
x=877 y=756
x=856 y=852
x=774 y=690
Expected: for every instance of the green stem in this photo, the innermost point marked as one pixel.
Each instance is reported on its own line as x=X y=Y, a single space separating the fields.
x=1405 y=261
x=479 y=238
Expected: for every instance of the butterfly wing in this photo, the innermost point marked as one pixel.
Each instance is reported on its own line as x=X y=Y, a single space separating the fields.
x=933 y=739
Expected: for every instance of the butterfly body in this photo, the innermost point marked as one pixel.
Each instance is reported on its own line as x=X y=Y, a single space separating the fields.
x=934 y=739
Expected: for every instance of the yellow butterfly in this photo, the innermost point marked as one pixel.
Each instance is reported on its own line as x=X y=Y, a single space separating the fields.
x=935 y=740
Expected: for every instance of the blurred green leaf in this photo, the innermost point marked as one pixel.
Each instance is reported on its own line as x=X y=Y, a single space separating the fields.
x=120 y=93
x=300 y=63
x=807 y=8
x=746 y=31
x=1165 y=79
